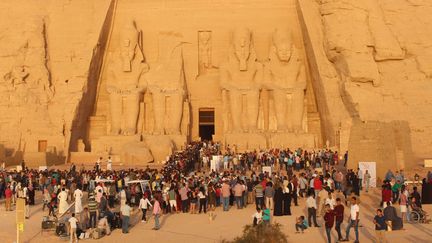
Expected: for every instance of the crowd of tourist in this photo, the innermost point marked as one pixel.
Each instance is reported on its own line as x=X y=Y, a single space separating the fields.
x=187 y=184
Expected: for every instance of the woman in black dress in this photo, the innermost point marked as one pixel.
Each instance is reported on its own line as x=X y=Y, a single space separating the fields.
x=278 y=197
x=286 y=201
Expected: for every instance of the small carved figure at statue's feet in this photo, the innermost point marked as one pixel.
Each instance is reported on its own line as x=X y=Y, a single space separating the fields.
x=282 y=128
x=173 y=132
x=158 y=132
x=115 y=132
x=297 y=129
x=129 y=132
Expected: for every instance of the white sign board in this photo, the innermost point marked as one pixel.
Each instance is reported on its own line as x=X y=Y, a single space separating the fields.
x=19 y=168
x=371 y=168
x=267 y=169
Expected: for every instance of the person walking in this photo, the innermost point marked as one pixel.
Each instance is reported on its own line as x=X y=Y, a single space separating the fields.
x=311 y=208
x=143 y=205
x=329 y=219
x=353 y=220
x=366 y=178
x=125 y=213
x=269 y=194
x=156 y=213
x=339 y=214
x=73 y=223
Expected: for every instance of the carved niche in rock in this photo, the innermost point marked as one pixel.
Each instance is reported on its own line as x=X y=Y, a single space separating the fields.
x=166 y=84
x=240 y=78
x=284 y=75
x=356 y=36
x=123 y=82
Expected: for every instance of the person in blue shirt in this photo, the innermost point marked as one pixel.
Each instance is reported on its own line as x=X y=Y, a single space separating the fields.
x=380 y=227
x=301 y=224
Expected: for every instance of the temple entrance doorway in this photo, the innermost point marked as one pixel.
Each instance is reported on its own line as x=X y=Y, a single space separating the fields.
x=206 y=123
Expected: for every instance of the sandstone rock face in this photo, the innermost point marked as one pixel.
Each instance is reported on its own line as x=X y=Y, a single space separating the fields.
x=121 y=76
x=367 y=55
x=45 y=55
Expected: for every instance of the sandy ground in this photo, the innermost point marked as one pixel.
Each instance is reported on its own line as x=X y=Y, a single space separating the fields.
x=178 y=228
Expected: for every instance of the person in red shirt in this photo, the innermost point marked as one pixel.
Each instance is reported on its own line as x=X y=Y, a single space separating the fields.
x=8 y=201
x=329 y=218
x=339 y=213
x=386 y=195
x=317 y=185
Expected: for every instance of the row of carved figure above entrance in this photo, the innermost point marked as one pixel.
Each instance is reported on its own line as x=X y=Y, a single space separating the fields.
x=241 y=78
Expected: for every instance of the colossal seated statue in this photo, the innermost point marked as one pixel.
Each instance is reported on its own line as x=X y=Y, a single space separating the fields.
x=123 y=85
x=285 y=76
x=240 y=77
x=166 y=84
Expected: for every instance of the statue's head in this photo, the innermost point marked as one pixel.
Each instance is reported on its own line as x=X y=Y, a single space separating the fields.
x=128 y=45
x=204 y=37
x=282 y=42
x=242 y=46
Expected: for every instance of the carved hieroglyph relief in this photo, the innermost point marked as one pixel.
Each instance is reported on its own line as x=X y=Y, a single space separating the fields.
x=204 y=51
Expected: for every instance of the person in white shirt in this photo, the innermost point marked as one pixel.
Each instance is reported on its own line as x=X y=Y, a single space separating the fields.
x=122 y=198
x=360 y=178
x=257 y=217
x=330 y=201
x=103 y=225
x=98 y=164
x=125 y=213
x=366 y=180
x=205 y=160
x=311 y=208
x=143 y=205
x=109 y=164
x=353 y=220
x=73 y=222
x=78 y=194
x=63 y=205
x=99 y=192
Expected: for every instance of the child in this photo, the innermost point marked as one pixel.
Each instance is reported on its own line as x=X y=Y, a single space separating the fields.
x=257 y=217
x=301 y=224
x=266 y=215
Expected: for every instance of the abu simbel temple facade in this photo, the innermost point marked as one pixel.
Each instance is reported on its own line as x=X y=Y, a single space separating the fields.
x=139 y=79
